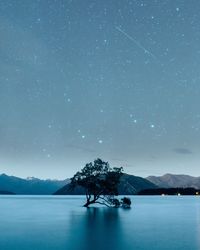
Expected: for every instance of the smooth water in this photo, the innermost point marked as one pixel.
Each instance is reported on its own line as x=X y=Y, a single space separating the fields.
x=61 y=223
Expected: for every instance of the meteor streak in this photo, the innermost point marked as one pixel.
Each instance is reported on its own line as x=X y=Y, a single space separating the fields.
x=146 y=51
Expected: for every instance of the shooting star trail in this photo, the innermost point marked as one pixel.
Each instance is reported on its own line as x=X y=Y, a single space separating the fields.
x=137 y=43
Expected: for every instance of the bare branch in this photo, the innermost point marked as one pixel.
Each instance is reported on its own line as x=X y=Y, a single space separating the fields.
x=102 y=203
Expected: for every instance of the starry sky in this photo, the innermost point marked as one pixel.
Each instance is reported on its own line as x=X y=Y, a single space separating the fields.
x=116 y=79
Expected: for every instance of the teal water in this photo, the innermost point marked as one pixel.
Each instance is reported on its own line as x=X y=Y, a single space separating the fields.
x=61 y=223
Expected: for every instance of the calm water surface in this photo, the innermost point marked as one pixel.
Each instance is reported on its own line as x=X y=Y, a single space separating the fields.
x=61 y=223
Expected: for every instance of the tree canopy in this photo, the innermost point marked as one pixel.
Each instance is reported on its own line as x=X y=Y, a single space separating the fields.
x=100 y=182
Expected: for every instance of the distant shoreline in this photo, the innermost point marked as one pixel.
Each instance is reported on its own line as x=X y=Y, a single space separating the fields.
x=145 y=192
x=170 y=191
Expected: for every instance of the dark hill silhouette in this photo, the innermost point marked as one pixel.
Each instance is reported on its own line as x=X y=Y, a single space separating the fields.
x=6 y=192
x=129 y=185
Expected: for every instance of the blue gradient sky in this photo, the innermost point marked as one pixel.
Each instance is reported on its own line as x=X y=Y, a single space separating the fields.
x=116 y=79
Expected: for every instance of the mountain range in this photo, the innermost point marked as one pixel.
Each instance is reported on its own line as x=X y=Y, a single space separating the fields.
x=16 y=185
x=32 y=186
x=174 y=181
x=129 y=184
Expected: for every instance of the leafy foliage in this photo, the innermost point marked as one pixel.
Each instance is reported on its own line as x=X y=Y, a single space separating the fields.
x=126 y=202
x=99 y=180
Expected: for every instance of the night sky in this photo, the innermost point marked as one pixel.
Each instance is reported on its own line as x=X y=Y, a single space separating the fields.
x=115 y=79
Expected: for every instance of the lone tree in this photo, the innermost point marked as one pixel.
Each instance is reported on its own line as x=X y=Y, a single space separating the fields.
x=100 y=182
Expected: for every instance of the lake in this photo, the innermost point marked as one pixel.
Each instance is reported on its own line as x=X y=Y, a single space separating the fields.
x=61 y=223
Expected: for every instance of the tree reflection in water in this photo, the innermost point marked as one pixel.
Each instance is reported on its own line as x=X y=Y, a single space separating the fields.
x=97 y=228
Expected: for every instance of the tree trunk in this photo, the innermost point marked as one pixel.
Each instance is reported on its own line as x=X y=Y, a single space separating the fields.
x=89 y=203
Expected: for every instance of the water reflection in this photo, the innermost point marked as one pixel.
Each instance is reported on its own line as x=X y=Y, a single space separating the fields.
x=153 y=223
x=97 y=228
